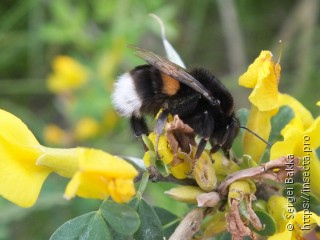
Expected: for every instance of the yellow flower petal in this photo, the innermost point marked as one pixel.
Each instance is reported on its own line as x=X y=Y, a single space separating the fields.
x=87 y=185
x=164 y=149
x=25 y=164
x=285 y=235
x=314 y=218
x=250 y=77
x=73 y=186
x=259 y=122
x=181 y=170
x=303 y=222
x=263 y=76
x=301 y=144
x=147 y=158
x=313 y=133
x=265 y=93
x=100 y=175
x=64 y=162
x=286 y=147
x=299 y=110
x=299 y=228
x=20 y=178
x=15 y=131
x=279 y=210
x=121 y=190
x=102 y=162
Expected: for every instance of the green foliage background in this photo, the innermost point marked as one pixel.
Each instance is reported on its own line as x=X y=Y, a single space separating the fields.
x=223 y=36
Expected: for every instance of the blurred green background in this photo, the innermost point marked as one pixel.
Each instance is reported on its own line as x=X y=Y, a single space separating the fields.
x=223 y=36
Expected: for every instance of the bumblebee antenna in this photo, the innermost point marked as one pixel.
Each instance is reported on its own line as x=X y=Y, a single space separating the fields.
x=252 y=132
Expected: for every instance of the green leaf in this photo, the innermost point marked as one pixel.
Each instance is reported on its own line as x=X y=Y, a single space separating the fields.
x=225 y=236
x=259 y=205
x=162 y=168
x=143 y=184
x=121 y=218
x=147 y=142
x=169 y=221
x=247 y=162
x=266 y=156
x=301 y=197
x=88 y=226
x=278 y=122
x=150 y=228
x=243 y=114
x=267 y=221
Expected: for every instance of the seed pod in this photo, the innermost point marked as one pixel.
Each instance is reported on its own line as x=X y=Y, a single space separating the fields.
x=238 y=189
x=204 y=173
x=187 y=194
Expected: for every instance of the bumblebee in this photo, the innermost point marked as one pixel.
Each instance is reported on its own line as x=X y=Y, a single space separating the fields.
x=196 y=96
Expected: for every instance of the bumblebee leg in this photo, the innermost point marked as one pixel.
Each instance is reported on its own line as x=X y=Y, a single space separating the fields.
x=214 y=146
x=201 y=146
x=138 y=126
x=160 y=124
x=226 y=152
x=231 y=134
x=203 y=142
x=223 y=138
x=205 y=135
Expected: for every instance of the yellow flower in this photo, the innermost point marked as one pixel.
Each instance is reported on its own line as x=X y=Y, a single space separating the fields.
x=25 y=164
x=298 y=229
x=100 y=175
x=263 y=76
x=68 y=75
x=147 y=158
x=164 y=149
x=20 y=178
x=93 y=173
x=302 y=143
x=260 y=123
x=300 y=112
x=279 y=210
x=301 y=138
x=291 y=225
x=86 y=128
x=181 y=170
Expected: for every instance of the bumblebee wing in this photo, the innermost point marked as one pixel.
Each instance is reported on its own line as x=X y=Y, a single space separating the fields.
x=175 y=71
